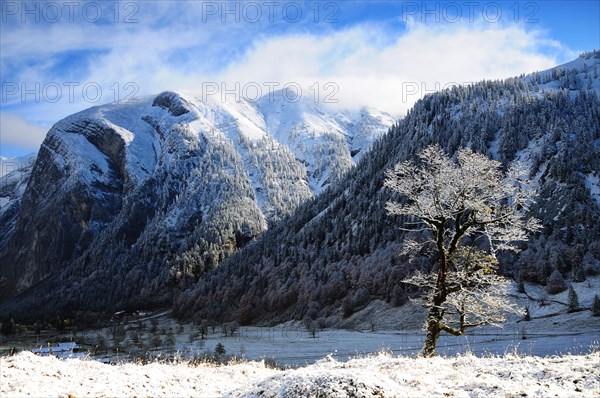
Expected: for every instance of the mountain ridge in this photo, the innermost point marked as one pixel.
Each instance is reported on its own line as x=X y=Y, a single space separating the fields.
x=161 y=190
x=341 y=250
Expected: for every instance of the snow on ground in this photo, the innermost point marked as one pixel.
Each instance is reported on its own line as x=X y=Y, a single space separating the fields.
x=553 y=354
x=592 y=182
x=381 y=375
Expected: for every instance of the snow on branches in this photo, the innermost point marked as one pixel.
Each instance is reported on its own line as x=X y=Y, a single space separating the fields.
x=455 y=199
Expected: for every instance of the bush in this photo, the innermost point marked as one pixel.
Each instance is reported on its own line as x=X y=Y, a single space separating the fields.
x=271 y=363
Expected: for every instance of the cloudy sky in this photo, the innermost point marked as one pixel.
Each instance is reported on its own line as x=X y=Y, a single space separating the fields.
x=59 y=57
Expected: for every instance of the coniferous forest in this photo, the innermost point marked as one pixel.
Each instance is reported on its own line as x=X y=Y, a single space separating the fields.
x=341 y=250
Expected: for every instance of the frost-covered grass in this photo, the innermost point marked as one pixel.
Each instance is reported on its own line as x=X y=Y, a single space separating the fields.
x=380 y=375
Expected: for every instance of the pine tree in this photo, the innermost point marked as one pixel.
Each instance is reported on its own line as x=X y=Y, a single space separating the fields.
x=156 y=341
x=521 y=284
x=596 y=306
x=573 y=299
x=527 y=316
x=219 y=349
x=578 y=274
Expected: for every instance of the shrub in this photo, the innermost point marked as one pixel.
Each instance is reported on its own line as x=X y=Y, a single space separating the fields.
x=556 y=283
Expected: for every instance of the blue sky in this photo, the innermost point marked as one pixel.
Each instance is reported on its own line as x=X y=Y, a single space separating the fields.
x=58 y=57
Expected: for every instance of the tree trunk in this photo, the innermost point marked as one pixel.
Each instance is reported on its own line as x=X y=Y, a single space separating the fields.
x=436 y=313
x=433 y=333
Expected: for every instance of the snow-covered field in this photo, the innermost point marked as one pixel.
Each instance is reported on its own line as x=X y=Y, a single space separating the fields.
x=556 y=353
x=376 y=376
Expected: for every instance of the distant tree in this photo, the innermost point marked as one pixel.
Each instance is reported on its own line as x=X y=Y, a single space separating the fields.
x=578 y=274
x=225 y=329
x=135 y=338
x=37 y=328
x=521 y=284
x=527 y=316
x=467 y=198
x=137 y=341
x=100 y=344
x=116 y=348
x=373 y=323
x=596 y=306
x=573 y=299
x=170 y=340
x=59 y=324
x=204 y=328
x=154 y=327
x=233 y=327
x=156 y=341
x=347 y=306
x=8 y=327
x=219 y=349
x=313 y=329
x=556 y=283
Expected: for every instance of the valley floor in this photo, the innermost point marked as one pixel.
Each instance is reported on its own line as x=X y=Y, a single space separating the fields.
x=380 y=375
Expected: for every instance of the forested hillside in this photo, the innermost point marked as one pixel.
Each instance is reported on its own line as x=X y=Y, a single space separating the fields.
x=340 y=250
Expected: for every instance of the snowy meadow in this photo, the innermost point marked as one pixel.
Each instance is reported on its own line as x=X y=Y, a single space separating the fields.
x=379 y=375
x=555 y=353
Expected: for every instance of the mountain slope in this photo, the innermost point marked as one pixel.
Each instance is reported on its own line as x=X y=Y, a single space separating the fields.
x=14 y=175
x=340 y=251
x=127 y=201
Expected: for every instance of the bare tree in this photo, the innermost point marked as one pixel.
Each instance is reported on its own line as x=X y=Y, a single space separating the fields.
x=453 y=200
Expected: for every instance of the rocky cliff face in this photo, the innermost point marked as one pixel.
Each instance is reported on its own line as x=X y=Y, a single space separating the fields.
x=127 y=202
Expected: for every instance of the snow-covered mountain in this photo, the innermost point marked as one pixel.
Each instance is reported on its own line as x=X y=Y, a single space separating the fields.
x=14 y=175
x=11 y=164
x=138 y=197
x=342 y=251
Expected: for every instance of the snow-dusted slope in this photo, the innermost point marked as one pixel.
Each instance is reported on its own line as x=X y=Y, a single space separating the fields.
x=327 y=143
x=11 y=164
x=581 y=73
x=14 y=175
x=159 y=190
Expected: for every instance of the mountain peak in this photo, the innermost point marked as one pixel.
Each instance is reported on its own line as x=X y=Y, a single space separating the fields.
x=173 y=102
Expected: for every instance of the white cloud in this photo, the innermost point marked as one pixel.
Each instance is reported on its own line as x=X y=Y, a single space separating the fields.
x=393 y=76
x=18 y=132
x=371 y=64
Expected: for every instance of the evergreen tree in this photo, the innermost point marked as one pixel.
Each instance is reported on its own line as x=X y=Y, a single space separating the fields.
x=219 y=350
x=527 y=316
x=573 y=299
x=596 y=306
x=156 y=341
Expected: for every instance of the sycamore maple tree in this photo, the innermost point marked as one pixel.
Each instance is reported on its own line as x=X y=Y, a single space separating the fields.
x=469 y=197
